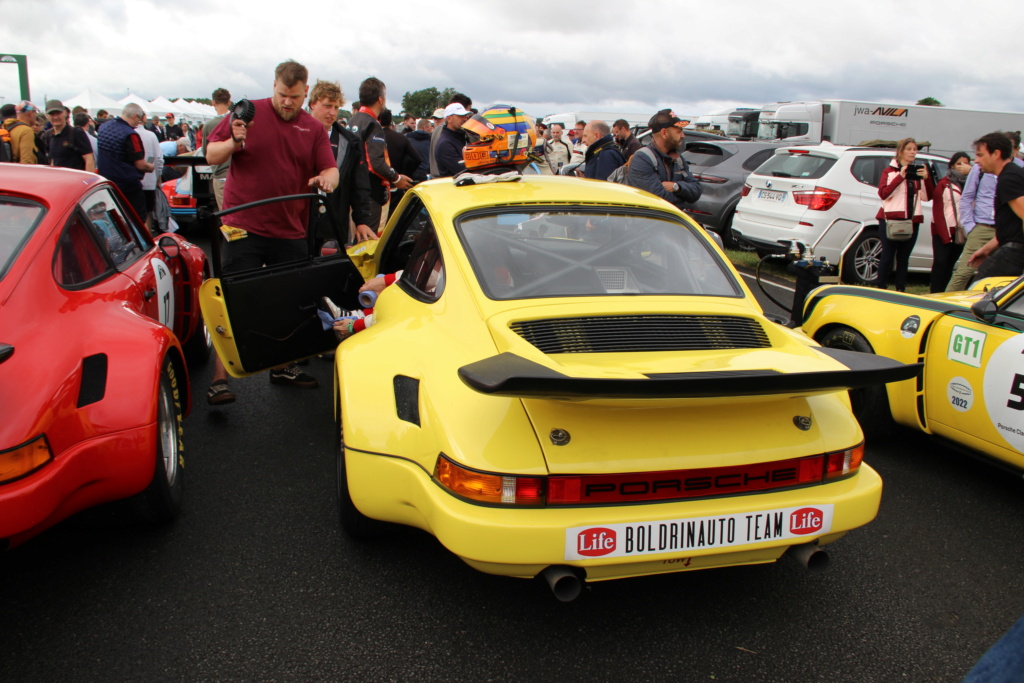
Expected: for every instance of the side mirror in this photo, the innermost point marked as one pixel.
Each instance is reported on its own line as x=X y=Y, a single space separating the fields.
x=717 y=238
x=985 y=309
x=169 y=247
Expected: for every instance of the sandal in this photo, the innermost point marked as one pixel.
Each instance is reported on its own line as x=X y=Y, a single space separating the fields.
x=219 y=394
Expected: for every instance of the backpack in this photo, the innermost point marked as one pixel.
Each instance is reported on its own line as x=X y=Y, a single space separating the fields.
x=5 y=145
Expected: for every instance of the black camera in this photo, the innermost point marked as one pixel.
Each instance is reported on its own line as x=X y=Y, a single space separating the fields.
x=912 y=170
x=244 y=110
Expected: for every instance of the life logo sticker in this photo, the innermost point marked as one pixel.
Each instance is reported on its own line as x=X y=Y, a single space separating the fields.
x=966 y=346
x=1004 y=390
x=960 y=394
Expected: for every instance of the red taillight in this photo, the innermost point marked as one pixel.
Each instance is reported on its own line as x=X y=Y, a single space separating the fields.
x=799 y=151
x=843 y=463
x=818 y=199
x=713 y=179
x=746 y=190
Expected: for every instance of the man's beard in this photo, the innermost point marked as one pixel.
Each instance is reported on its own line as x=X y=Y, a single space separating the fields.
x=285 y=115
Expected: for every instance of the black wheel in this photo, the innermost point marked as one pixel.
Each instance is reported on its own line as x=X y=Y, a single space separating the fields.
x=161 y=500
x=860 y=267
x=199 y=346
x=870 y=404
x=353 y=522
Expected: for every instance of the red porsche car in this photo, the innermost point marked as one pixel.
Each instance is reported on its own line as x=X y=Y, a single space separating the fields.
x=96 y=321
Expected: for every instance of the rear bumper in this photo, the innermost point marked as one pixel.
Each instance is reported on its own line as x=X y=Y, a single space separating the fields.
x=522 y=542
x=100 y=470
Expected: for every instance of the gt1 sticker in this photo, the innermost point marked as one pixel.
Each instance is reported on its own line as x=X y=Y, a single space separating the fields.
x=910 y=326
x=673 y=535
x=164 y=291
x=1004 y=390
x=960 y=394
x=966 y=346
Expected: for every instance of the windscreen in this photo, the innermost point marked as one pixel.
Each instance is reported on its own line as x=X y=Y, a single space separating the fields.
x=579 y=253
x=17 y=221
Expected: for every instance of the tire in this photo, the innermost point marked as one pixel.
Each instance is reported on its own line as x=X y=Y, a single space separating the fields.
x=199 y=346
x=860 y=267
x=353 y=522
x=870 y=404
x=160 y=502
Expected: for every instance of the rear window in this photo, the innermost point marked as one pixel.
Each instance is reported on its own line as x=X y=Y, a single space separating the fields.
x=17 y=222
x=578 y=253
x=758 y=158
x=786 y=165
x=705 y=154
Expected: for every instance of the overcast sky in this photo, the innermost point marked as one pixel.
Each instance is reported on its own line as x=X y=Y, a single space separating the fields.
x=544 y=57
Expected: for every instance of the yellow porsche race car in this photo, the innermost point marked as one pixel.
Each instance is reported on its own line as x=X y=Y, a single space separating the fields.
x=568 y=378
x=971 y=391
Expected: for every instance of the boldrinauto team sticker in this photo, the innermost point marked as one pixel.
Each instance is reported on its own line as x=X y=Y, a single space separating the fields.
x=1004 y=390
x=638 y=539
x=966 y=346
x=960 y=394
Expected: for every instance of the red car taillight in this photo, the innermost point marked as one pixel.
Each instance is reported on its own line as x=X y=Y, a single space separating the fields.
x=713 y=179
x=25 y=459
x=746 y=190
x=818 y=199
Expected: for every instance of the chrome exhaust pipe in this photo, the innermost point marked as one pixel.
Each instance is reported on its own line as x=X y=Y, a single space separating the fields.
x=565 y=584
x=810 y=556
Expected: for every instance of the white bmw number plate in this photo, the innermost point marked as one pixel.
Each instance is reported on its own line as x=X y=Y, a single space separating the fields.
x=771 y=195
x=636 y=539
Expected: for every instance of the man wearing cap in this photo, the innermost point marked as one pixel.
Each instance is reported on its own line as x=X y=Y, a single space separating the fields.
x=435 y=137
x=451 y=141
x=172 y=131
x=659 y=168
x=69 y=147
x=19 y=124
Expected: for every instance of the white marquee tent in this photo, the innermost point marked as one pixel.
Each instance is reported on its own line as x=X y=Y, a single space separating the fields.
x=93 y=102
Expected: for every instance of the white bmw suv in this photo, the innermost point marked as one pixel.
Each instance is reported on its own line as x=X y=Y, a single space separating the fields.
x=826 y=196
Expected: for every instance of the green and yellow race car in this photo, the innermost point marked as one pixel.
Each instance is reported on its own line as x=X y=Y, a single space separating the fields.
x=971 y=391
x=568 y=378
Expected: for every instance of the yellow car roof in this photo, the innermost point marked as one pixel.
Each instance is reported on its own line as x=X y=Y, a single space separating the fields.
x=443 y=197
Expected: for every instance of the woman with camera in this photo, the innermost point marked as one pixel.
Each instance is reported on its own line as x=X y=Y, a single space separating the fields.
x=904 y=185
x=948 y=235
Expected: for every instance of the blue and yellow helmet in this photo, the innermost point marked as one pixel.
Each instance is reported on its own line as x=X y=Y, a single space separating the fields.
x=500 y=137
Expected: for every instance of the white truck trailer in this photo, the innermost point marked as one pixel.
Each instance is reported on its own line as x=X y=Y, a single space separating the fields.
x=848 y=122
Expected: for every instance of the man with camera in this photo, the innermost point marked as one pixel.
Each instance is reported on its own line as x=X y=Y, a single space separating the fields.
x=271 y=155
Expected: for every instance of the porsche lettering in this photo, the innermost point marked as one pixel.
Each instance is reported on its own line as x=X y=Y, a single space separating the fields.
x=682 y=484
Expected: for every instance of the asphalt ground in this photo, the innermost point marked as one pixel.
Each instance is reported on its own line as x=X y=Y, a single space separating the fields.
x=256 y=582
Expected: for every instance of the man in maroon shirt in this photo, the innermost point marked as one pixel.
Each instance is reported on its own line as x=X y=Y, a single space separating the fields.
x=283 y=151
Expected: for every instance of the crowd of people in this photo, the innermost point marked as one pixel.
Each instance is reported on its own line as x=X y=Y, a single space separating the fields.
x=364 y=164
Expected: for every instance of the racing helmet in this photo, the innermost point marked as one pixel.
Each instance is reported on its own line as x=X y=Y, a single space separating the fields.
x=501 y=137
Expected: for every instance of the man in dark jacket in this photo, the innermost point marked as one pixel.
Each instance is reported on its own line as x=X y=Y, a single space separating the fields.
x=602 y=155
x=353 y=190
x=451 y=142
x=420 y=139
x=404 y=157
x=628 y=144
x=364 y=123
x=659 y=168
